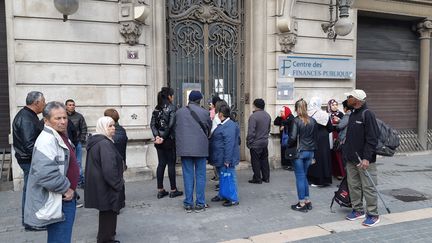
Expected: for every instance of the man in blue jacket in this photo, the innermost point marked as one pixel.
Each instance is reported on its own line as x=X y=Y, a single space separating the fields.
x=192 y=129
x=225 y=152
x=361 y=141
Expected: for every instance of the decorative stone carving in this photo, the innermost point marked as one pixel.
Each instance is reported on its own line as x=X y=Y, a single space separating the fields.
x=131 y=31
x=131 y=25
x=425 y=28
x=287 y=41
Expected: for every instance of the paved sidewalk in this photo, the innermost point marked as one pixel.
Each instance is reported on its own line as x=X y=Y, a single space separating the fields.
x=263 y=209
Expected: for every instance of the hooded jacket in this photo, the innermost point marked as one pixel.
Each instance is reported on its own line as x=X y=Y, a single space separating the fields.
x=104 y=187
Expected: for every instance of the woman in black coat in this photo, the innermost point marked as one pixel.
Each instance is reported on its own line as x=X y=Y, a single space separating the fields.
x=104 y=187
x=284 y=121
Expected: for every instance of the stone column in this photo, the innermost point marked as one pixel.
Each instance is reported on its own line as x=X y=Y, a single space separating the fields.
x=258 y=50
x=425 y=29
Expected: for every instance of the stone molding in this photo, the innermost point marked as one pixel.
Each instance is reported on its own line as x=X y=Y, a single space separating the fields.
x=424 y=28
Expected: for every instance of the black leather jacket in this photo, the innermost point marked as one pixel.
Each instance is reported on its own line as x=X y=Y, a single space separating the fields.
x=306 y=134
x=168 y=116
x=26 y=128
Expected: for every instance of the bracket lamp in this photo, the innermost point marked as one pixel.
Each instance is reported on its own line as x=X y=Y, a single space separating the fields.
x=66 y=7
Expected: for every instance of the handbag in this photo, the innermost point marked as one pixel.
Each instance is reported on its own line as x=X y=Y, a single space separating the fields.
x=227 y=184
x=284 y=138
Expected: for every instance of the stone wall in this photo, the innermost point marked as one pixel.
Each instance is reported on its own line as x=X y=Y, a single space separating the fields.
x=84 y=58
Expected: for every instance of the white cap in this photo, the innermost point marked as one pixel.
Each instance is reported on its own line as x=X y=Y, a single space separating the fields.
x=357 y=93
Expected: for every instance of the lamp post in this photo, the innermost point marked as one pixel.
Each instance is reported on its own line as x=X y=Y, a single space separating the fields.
x=66 y=7
x=342 y=25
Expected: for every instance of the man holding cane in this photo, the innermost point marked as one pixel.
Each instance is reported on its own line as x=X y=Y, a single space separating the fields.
x=361 y=140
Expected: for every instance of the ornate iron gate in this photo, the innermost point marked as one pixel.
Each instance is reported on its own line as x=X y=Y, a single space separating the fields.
x=205 y=40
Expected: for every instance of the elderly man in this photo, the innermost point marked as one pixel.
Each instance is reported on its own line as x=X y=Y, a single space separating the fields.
x=192 y=129
x=361 y=140
x=81 y=128
x=26 y=128
x=53 y=178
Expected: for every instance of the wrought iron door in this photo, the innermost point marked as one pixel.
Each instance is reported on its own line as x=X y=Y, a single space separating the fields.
x=205 y=40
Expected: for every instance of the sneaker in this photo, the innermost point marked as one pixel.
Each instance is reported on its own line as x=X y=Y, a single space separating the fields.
x=309 y=205
x=255 y=181
x=298 y=207
x=214 y=178
x=217 y=187
x=355 y=215
x=199 y=208
x=188 y=208
x=175 y=193
x=216 y=199
x=162 y=194
x=371 y=220
x=34 y=228
x=79 y=205
x=230 y=203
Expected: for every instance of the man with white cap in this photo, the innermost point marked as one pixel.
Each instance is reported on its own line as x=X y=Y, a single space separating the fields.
x=361 y=141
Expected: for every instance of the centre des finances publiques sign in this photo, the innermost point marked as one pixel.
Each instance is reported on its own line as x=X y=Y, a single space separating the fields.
x=316 y=67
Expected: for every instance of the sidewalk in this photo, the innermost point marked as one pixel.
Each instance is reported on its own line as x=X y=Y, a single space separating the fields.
x=263 y=209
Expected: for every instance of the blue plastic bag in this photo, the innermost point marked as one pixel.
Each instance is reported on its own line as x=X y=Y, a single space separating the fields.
x=227 y=184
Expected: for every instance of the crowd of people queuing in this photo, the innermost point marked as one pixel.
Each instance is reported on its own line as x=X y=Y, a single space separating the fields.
x=325 y=144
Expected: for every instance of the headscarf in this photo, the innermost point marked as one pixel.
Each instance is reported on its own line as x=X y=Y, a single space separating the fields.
x=102 y=125
x=287 y=112
x=329 y=104
x=315 y=111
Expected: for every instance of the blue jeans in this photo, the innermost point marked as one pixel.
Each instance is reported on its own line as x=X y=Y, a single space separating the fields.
x=301 y=165
x=26 y=169
x=194 y=167
x=78 y=153
x=61 y=232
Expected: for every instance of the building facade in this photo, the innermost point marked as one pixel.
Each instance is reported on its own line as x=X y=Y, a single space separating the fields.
x=106 y=56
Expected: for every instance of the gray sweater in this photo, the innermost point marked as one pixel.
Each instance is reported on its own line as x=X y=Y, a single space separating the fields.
x=258 y=129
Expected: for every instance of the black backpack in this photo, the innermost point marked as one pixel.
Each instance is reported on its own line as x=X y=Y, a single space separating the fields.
x=388 y=138
x=342 y=196
x=161 y=119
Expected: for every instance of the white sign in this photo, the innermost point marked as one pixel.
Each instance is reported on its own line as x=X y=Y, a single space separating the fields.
x=316 y=67
x=219 y=86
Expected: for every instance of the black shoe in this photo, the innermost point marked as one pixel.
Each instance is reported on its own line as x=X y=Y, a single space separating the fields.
x=217 y=187
x=199 y=208
x=216 y=199
x=230 y=203
x=309 y=205
x=175 y=193
x=255 y=181
x=298 y=207
x=290 y=168
x=33 y=228
x=188 y=208
x=162 y=194
x=266 y=181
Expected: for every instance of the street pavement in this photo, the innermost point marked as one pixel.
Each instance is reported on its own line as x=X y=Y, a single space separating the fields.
x=263 y=208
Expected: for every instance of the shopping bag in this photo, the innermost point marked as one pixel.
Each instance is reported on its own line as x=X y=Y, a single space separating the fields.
x=227 y=184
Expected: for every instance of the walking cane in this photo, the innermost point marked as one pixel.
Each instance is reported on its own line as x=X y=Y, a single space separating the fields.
x=373 y=183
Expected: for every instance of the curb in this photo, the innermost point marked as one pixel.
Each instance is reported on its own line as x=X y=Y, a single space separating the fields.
x=333 y=228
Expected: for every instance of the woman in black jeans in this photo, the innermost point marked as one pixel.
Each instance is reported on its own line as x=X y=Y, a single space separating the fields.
x=162 y=126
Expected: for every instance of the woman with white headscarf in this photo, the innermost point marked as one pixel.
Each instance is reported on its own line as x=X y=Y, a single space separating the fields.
x=104 y=188
x=320 y=173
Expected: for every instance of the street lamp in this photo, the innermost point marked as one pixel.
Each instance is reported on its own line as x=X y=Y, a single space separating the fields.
x=342 y=25
x=66 y=7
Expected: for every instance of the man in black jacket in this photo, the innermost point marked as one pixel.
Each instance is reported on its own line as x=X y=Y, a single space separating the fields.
x=361 y=141
x=26 y=128
x=257 y=142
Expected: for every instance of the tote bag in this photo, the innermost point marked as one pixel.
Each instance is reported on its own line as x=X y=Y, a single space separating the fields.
x=227 y=185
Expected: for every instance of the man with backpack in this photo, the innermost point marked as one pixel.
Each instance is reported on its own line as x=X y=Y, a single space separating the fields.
x=361 y=139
